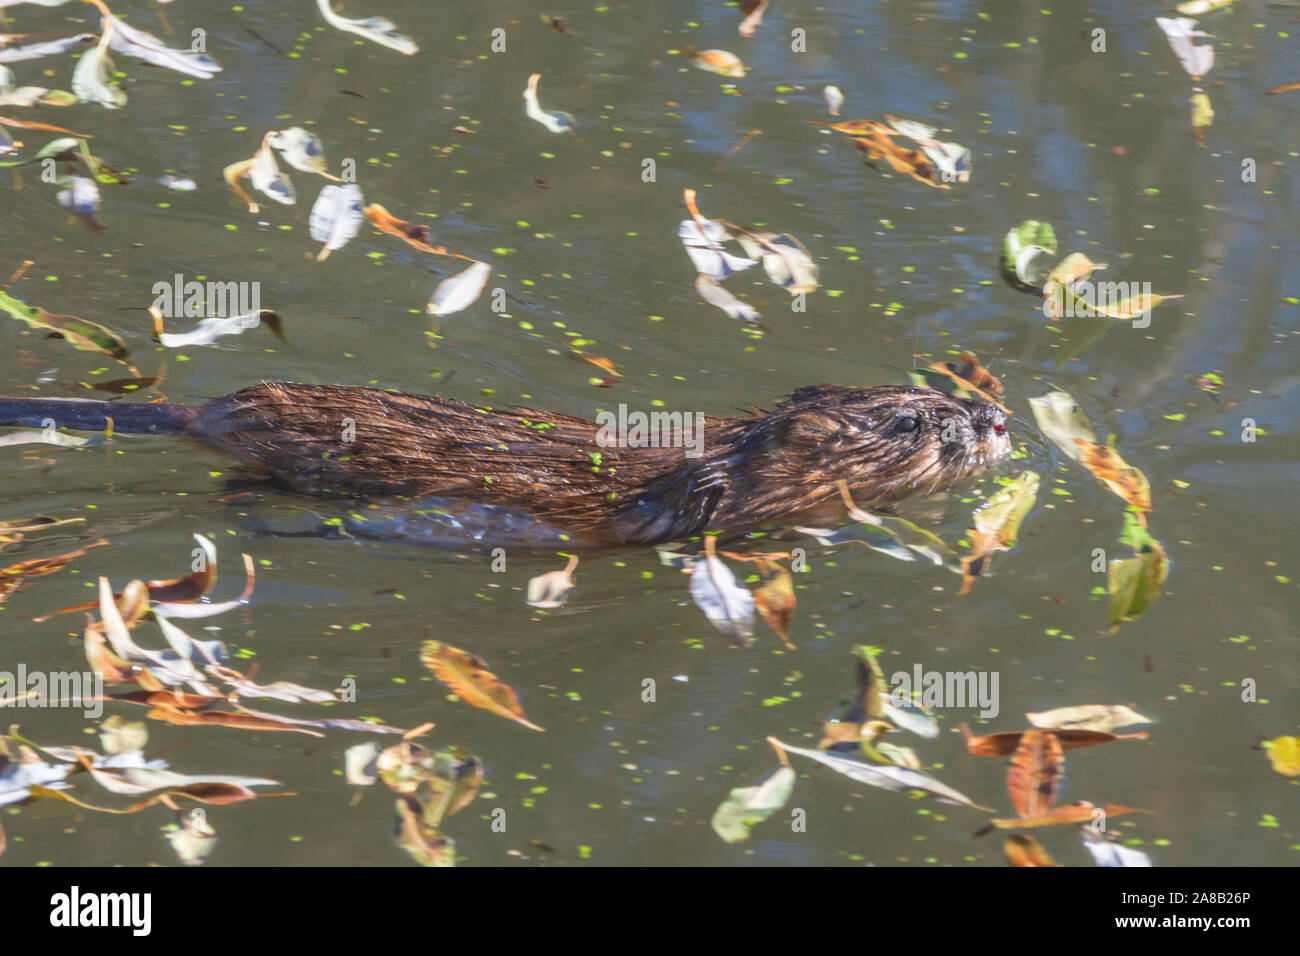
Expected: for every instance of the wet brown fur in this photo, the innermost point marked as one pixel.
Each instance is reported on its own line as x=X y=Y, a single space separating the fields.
x=756 y=470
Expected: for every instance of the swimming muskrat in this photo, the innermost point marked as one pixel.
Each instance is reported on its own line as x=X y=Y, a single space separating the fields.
x=776 y=467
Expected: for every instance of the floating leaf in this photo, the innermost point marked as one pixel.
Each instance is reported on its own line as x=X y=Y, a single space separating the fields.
x=1027 y=251
x=952 y=160
x=301 y=150
x=1035 y=772
x=550 y=589
x=379 y=29
x=727 y=605
x=968 y=380
x=1081 y=812
x=883 y=776
x=1180 y=31
x=90 y=80
x=417 y=236
x=753 y=11
x=714 y=294
x=1107 y=853
x=775 y=597
x=834 y=99
x=785 y=260
x=34 y=51
x=84 y=335
x=360 y=763
x=1202 y=115
x=13 y=575
x=117 y=735
x=1116 y=474
x=702 y=241
x=746 y=807
x=999 y=745
x=997 y=525
x=133 y=41
x=1024 y=850
x=471 y=681
x=193 y=838
x=1284 y=755
x=459 y=291
x=1134 y=583
x=901 y=530
x=1063 y=422
x=209 y=330
x=1194 y=8
x=717 y=61
x=557 y=121
x=1101 y=717
x=336 y=217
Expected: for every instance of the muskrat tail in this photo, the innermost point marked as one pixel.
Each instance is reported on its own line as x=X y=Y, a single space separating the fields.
x=87 y=415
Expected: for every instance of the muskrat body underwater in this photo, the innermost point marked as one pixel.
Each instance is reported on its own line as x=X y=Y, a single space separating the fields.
x=767 y=468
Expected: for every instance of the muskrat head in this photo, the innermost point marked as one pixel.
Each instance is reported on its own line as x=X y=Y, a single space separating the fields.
x=885 y=442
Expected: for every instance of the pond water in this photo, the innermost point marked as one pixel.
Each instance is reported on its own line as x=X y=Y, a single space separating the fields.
x=1097 y=143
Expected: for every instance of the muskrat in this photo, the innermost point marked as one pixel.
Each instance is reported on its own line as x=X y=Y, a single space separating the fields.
x=762 y=469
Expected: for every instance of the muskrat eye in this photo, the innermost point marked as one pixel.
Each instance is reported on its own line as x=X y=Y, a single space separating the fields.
x=906 y=424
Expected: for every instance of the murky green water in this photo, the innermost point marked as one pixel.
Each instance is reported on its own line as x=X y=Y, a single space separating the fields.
x=1097 y=143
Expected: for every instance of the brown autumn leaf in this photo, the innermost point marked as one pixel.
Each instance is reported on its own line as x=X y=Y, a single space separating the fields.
x=1081 y=812
x=604 y=364
x=1024 y=850
x=113 y=669
x=859 y=127
x=1034 y=776
x=184 y=590
x=999 y=745
x=775 y=598
x=970 y=375
x=171 y=714
x=45 y=127
x=15 y=574
x=1116 y=474
x=913 y=162
x=217 y=794
x=471 y=681
x=415 y=235
x=1287 y=88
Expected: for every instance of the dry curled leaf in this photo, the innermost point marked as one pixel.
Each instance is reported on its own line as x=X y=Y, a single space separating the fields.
x=471 y=681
